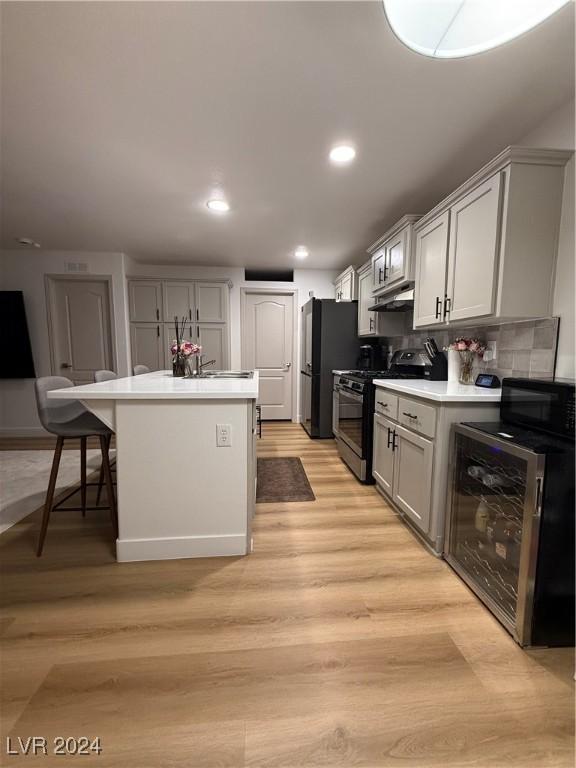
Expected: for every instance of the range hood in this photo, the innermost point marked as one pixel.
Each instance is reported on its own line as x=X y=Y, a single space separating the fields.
x=398 y=302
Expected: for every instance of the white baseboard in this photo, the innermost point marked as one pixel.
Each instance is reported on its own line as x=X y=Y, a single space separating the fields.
x=132 y=550
x=23 y=432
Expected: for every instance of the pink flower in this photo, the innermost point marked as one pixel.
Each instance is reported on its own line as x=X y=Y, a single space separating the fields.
x=174 y=347
x=188 y=348
x=461 y=345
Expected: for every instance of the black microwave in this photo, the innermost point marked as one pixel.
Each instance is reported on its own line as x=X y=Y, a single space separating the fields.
x=547 y=406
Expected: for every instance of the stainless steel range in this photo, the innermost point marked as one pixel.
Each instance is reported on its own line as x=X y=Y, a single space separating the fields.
x=354 y=407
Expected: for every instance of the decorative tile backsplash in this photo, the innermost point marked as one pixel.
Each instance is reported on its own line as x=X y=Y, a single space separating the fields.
x=526 y=349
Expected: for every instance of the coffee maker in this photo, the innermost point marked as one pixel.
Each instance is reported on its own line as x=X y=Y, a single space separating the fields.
x=372 y=357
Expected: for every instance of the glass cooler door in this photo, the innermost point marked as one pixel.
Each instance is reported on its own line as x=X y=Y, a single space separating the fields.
x=492 y=540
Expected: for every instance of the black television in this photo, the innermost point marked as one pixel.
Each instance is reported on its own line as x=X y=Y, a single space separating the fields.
x=16 y=361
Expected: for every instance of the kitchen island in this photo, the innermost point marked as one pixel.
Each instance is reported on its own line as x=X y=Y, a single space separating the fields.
x=186 y=462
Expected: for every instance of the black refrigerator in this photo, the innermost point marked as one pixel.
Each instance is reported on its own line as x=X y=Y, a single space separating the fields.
x=329 y=340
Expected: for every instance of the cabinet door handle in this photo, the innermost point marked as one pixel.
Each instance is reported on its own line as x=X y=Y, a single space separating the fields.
x=447 y=305
x=410 y=415
x=394 y=444
x=158 y=331
x=389 y=438
x=157 y=314
x=197 y=314
x=371 y=323
x=190 y=329
x=189 y=314
x=438 y=313
x=380 y=270
x=385 y=273
x=198 y=333
x=384 y=405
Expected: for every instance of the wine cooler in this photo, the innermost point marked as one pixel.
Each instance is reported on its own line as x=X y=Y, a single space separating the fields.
x=510 y=528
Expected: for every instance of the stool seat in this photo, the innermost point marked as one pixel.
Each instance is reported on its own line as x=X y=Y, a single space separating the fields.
x=84 y=425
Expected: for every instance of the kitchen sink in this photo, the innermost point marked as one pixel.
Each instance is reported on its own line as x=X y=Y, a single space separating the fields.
x=227 y=374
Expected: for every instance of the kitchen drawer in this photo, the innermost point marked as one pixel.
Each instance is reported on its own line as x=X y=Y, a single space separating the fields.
x=417 y=416
x=386 y=403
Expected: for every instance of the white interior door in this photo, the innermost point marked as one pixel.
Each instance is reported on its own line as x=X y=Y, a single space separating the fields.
x=80 y=328
x=267 y=346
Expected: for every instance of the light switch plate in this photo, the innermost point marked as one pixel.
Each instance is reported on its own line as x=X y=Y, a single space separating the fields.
x=223 y=435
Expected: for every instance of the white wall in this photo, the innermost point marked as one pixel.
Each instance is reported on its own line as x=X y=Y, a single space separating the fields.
x=25 y=271
x=557 y=132
x=319 y=281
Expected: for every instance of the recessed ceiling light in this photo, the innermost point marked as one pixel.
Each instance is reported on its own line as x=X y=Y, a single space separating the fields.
x=301 y=252
x=218 y=205
x=342 y=153
x=456 y=28
x=27 y=242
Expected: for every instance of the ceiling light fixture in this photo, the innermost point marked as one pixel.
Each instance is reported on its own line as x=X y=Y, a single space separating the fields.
x=301 y=252
x=27 y=242
x=457 y=28
x=342 y=154
x=218 y=205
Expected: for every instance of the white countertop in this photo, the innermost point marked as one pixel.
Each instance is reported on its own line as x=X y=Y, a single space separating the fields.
x=441 y=391
x=339 y=373
x=161 y=385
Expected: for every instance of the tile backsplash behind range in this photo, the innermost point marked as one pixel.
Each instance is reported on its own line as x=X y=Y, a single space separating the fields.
x=526 y=349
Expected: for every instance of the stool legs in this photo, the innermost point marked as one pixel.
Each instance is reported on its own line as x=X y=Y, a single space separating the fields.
x=50 y=494
x=104 y=445
x=83 y=441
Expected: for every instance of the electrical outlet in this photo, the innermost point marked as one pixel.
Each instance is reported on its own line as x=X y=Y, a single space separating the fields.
x=490 y=353
x=223 y=435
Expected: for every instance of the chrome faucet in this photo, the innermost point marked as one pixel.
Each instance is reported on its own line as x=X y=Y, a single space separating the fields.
x=202 y=365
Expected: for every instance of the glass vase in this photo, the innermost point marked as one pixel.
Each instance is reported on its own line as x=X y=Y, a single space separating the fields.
x=178 y=365
x=466 y=366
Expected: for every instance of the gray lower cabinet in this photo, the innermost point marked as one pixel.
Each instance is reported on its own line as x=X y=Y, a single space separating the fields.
x=214 y=342
x=147 y=343
x=212 y=337
x=383 y=457
x=402 y=466
x=412 y=488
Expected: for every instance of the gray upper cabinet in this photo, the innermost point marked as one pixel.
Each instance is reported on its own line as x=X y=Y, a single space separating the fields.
x=145 y=301
x=475 y=223
x=211 y=302
x=367 y=321
x=487 y=252
x=392 y=257
x=179 y=301
x=345 y=285
x=431 y=261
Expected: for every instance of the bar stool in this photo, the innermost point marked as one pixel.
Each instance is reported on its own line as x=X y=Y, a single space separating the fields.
x=138 y=370
x=69 y=419
x=104 y=375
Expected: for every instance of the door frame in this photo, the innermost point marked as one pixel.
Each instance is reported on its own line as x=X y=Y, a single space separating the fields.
x=49 y=283
x=244 y=292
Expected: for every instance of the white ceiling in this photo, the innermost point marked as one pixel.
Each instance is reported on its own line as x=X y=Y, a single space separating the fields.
x=120 y=118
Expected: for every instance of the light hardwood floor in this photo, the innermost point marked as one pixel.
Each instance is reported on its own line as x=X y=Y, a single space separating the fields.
x=339 y=642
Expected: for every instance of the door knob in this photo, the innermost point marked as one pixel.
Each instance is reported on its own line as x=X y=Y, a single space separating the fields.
x=65 y=365
x=288 y=366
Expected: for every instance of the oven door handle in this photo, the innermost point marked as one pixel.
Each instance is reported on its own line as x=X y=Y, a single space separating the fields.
x=352 y=395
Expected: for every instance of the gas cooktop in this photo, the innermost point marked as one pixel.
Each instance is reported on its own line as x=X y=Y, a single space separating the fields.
x=391 y=374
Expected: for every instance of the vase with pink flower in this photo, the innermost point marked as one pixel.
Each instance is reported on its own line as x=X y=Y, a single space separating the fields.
x=468 y=350
x=184 y=352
